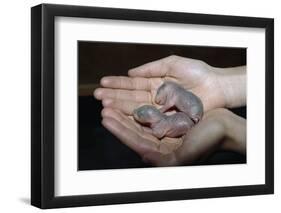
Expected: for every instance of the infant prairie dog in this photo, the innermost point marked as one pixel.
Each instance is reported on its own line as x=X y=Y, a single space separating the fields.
x=170 y=94
x=189 y=111
x=173 y=126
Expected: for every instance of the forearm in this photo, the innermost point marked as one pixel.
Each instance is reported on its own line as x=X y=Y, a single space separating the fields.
x=232 y=83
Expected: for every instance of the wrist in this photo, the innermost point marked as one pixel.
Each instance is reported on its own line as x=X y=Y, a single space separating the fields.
x=232 y=85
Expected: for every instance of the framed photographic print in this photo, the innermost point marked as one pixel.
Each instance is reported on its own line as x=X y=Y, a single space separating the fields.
x=140 y=106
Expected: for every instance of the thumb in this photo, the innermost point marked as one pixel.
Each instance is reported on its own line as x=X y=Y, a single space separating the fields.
x=157 y=68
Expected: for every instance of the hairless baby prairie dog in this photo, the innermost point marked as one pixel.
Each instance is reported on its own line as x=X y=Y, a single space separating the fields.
x=171 y=95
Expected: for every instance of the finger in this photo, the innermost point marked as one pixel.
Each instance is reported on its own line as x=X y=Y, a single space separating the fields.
x=124 y=134
x=127 y=136
x=144 y=145
x=129 y=83
x=130 y=95
x=126 y=120
x=157 y=68
x=129 y=122
x=158 y=159
x=127 y=107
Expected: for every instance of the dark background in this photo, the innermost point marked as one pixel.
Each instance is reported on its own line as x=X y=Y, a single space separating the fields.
x=97 y=147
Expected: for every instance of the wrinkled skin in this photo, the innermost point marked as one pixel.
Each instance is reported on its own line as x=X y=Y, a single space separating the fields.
x=189 y=110
x=170 y=95
x=161 y=125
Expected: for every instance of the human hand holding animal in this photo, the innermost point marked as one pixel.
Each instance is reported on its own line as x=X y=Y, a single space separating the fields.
x=188 y=111
x=219 y=129
x=216 y=87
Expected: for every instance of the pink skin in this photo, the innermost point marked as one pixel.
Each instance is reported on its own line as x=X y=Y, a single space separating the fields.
x=171 y=95
x=161 y=125
x=188 y=106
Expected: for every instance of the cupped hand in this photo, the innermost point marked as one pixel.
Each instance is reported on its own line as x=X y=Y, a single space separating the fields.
x=128 y=93
x=204 y=138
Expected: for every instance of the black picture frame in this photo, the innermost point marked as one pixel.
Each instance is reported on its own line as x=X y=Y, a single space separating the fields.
x=42 y=105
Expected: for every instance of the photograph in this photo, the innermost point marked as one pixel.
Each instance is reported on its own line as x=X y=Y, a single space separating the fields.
x=133 y=106
x=154 y=105
x=138 y=106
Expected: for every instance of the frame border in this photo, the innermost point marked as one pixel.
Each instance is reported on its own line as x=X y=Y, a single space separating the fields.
x=42 y=105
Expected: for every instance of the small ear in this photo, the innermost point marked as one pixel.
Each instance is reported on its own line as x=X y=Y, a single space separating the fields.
x=161 y=94
x=136 y=117
x=157 y=98
x=195 y=120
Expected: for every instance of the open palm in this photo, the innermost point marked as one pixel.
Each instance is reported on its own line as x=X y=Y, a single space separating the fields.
x=127 y=93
